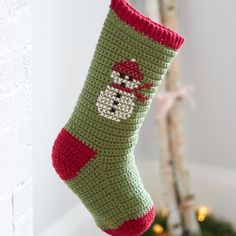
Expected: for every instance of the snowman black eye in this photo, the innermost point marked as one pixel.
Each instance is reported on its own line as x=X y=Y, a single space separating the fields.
x=130 y=79
x=122 y=76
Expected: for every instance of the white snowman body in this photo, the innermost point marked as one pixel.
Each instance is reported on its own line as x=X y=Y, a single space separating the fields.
x=117 y=104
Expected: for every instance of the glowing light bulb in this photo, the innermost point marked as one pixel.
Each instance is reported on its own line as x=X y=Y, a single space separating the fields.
x=201 y=218
x=164 y=212
x=158 y=229
x=202 y=213
x=203 y=210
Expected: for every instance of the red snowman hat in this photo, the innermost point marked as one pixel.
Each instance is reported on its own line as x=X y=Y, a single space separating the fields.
x=129 y=68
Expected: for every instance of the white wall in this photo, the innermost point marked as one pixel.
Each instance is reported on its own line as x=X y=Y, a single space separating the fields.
x=15 y=119
x=65 y=35
x=209 y=64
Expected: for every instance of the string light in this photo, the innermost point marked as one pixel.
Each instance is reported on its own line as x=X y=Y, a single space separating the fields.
x=164 y=212
x=158 y=229
x=202 y=213
x=211 y=224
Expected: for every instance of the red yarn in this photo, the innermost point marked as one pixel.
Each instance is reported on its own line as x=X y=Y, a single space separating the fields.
x=134 y=227
x=70 y=155
x=140 y=97
x=145 y=25
x=129 y=68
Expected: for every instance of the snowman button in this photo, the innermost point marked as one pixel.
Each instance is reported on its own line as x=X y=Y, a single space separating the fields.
x=118 y=95
x=113 y=109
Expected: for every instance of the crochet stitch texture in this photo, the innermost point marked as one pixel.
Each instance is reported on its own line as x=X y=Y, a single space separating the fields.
x=93 y=153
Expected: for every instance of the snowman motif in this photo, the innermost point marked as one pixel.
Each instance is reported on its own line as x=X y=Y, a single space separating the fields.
x=118 y=100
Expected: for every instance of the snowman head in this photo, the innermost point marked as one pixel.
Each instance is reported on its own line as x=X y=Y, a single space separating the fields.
x=127 y=74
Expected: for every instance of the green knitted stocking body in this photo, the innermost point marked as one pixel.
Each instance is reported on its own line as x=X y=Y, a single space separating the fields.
x=93 y=153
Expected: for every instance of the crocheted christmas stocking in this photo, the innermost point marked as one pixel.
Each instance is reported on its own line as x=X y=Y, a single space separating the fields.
x=93 y=153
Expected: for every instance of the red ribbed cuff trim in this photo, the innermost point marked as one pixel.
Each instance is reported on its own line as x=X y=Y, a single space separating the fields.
x=145 y=25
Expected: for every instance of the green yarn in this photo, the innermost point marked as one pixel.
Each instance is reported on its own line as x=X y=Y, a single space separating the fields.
x=107 y=194
x=109 y=185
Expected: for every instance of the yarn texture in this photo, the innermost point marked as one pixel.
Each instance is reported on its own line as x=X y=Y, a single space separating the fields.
x=93 y=153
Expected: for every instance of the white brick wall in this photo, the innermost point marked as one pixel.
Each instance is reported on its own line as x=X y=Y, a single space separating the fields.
x=15 y=118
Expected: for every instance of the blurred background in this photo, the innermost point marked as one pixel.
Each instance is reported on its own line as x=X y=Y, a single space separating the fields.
x=65 y=35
